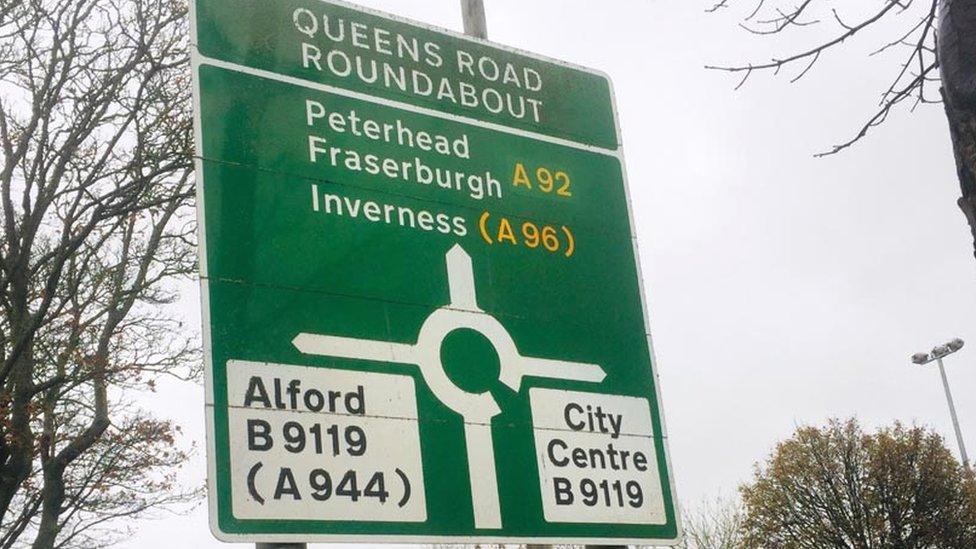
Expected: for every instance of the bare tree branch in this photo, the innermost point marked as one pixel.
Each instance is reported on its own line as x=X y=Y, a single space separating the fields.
x=910 y=79
x=95 y=203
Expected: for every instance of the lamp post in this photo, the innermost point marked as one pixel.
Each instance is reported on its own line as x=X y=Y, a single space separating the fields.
x=937 y=353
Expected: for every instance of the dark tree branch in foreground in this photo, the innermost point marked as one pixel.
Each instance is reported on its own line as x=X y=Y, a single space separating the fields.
x=957 y=53
x=95 y=207
x=938 y=38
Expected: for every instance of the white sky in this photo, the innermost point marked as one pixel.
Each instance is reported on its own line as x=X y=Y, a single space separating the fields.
x=782 y=289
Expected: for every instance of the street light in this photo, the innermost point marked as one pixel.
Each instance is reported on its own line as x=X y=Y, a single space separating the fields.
x=936 y=354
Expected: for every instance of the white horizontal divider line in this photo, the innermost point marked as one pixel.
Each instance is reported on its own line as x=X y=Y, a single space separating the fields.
x=261 y=73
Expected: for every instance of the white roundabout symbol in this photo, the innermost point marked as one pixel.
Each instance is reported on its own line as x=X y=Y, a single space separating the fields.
x=476 y=409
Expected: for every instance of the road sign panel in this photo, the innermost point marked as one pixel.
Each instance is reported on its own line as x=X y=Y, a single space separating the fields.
x=423 y=311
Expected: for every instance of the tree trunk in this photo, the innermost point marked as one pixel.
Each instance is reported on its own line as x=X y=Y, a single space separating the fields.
x=957 y=61
x=18 y=446
x=52 y=497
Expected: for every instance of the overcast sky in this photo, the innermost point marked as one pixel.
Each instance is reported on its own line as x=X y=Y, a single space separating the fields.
x=782 y=289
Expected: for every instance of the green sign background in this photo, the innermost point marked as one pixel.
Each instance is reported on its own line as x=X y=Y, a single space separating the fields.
x=274 y=267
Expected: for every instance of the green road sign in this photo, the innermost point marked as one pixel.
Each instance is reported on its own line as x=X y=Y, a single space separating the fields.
x=423 y=312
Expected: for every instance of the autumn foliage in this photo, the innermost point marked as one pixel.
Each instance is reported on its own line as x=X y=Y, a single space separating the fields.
x=839 y=487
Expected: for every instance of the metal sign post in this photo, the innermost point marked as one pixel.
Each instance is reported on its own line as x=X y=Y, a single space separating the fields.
x=424 y=319
x=473 y=17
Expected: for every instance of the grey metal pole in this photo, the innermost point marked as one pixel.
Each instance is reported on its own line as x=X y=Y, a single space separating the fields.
x=952 y=412
x=473 y=15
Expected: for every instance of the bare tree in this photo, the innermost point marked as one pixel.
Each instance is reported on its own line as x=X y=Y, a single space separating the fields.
x=938 y=41
x=715 y=524
x=95 y=190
